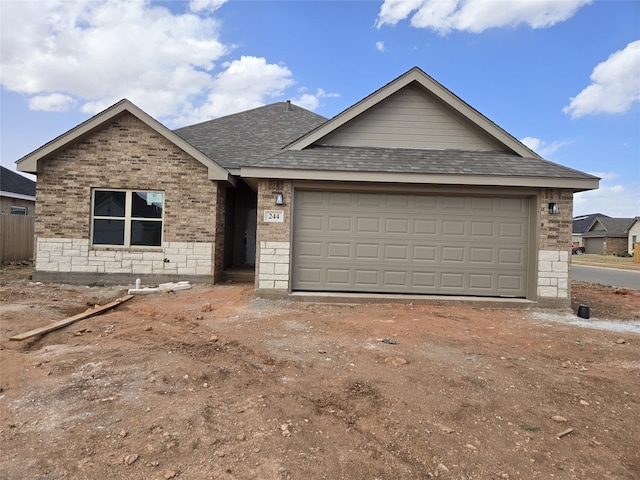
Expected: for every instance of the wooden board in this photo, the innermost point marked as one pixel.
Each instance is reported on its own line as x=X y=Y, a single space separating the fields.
x=67 y=321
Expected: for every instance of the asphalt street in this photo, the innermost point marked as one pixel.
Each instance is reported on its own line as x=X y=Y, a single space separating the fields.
x=606 y=276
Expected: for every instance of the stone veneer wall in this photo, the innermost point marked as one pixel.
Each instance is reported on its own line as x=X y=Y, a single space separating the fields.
x=274 y=238
x=127 y=154
x=554 y=243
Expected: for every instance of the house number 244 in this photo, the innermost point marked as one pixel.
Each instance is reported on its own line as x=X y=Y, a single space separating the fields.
x=273 y=216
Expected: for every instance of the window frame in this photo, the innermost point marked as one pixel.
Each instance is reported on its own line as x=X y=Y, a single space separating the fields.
x=128 y=218
x=18 y=210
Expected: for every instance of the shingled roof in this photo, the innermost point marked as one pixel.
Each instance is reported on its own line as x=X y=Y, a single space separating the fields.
x=12 y=182
x=611 y=227
x=246 y=137
x=582 y=223
x=452 y=163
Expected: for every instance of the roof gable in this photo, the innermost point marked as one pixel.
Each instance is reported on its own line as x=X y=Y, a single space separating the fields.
x=12 y=182
x=582 y=223
x=434 y=99
x=611 y=227
x=31 y=162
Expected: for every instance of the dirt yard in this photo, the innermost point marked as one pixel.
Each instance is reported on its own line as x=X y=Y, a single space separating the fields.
x=215 y=383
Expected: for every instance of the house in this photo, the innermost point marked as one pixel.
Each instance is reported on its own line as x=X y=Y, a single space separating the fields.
x=409 y=191
x=17 y=193
x=633 y=234
x=607 y=236
x=581 y=224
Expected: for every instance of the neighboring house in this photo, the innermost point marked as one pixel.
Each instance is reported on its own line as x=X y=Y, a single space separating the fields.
x=409 y=191
x=581 y=224
x=607 y=236
x=17 y=193
x=633 y=233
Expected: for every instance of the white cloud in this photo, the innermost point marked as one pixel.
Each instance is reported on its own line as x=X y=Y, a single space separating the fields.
x=615 y=85
x=205 y=5
x=613 y=199
x=380 y=46
x=64 y=54
x=475 y=16
x=543 y=148
x=312 y=101
x=54 y=102
x=245 y=83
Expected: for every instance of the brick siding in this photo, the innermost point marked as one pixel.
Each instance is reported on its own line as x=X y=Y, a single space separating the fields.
x=127 y=154
x=554 y=246
x=274 y=238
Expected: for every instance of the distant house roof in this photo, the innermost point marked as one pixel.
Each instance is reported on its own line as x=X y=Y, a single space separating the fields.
x=15 y=185
x=608 y=227
x=582 y=223
x=246 y=137
x=632 y=223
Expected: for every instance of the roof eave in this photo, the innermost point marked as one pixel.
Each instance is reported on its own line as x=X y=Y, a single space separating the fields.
x=575 y=184
x=31 y=163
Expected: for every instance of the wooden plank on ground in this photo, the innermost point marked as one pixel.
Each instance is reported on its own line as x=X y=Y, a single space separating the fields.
x=67 y=321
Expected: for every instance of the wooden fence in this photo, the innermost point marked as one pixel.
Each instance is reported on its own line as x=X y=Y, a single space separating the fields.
x=16 y=237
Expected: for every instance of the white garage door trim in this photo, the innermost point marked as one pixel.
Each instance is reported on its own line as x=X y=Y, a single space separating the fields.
x=408 y=243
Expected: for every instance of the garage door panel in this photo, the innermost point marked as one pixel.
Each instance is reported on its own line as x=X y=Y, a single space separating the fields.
x=452 y=254
x=451 y=280
x=339 y=224
x=310 y=249
x=397 y=225
x=453 y=227
x=481 y=255
x=339 y=251
x=311 y=223
x=338 y=277
x=482 y=229
x=366 y=278
x=392 y=243
x=368 y=225
x=396 y=252
x=424 y=253
x=481 y=281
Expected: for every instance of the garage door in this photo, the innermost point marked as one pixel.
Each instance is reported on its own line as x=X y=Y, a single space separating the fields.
x=594 y=245
x=419 y=244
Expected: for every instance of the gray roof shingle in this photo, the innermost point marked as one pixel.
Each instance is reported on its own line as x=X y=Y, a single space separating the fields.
x=399 y=160
x=246 y=137
x=13 y=182
x=613 y=227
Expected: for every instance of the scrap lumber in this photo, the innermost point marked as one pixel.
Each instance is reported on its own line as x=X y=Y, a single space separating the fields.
x=97 y=310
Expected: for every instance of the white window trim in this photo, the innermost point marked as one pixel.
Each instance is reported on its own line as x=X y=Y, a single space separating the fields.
x=127 y=218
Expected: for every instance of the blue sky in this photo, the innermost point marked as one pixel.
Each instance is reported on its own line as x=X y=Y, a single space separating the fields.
x=561 y=75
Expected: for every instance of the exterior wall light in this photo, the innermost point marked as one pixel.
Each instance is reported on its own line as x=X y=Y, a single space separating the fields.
x=554 y=209
x=279 y=199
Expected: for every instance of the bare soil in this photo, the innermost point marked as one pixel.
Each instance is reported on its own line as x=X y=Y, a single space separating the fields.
x=213 y=382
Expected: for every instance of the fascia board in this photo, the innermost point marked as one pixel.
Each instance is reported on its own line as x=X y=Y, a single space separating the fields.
x=575 y=184
x=18 y=196
x=30 y=162
x=443 y=94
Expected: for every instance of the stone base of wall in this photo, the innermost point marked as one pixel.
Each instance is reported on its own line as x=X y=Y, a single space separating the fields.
x=273 y=269
x=80 y=278
x=71 y=255
x=553 y=275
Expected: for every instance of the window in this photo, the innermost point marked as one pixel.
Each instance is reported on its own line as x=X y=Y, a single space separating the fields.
x=18 y=210
x=127 y=218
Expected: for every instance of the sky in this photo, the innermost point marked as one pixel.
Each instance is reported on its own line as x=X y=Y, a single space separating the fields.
x=562 y=76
